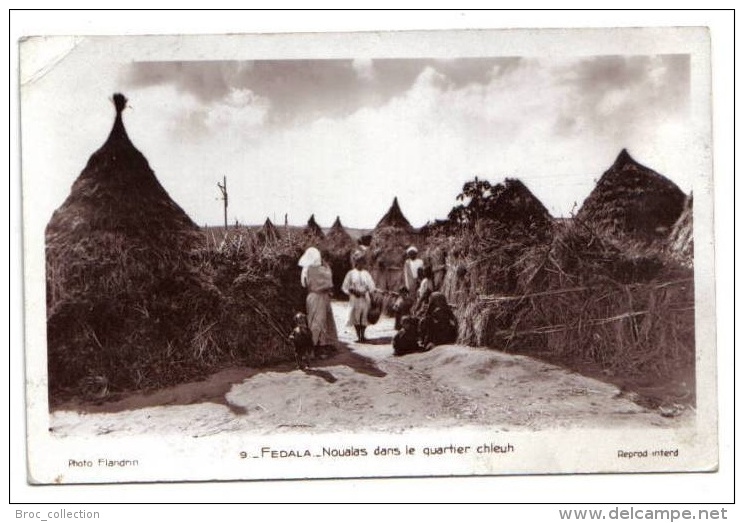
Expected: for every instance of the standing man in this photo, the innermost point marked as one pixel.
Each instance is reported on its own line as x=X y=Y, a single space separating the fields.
x=411 y=269
x=358 y=285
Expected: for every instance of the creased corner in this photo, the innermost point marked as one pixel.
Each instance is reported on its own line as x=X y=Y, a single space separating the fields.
x=39 y=55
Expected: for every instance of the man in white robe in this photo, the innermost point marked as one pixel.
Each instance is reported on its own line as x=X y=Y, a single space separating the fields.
x=411 y=269
x=358 y=285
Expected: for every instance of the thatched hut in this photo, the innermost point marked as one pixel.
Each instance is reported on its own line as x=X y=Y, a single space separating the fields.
x=394 y=218
x=390 y=238
x=515 y=205
x=338 y=246
x=268 y=232
x=312 y=230
x=126 y=306
x=632 y=202
x=338 y=235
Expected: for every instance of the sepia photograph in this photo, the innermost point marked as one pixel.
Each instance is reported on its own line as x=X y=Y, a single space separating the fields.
x=351 y=255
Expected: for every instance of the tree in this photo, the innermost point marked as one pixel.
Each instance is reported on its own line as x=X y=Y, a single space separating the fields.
x=478 y=197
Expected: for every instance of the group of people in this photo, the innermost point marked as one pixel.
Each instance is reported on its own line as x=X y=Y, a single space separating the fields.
x=315 y=333
x=423 y=317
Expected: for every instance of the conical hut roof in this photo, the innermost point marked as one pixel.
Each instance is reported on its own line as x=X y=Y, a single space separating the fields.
x=338 y=242
x=313 y=229
x=514 y=203
x=338 y=232
x=632 y=200
x=118 y=192
x=394 y=218
x=269 y=232
x=386 y=255
x=337 y=226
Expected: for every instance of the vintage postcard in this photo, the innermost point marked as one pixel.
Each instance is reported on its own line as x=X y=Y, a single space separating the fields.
x=384 y=254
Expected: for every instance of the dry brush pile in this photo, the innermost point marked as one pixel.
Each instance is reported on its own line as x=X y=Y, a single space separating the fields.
x=258 y=281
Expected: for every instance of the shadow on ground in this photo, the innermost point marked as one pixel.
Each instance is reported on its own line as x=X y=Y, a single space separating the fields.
x=215 y=387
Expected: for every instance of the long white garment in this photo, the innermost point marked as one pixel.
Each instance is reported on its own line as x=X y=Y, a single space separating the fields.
x=410 y=273
x=360 y=281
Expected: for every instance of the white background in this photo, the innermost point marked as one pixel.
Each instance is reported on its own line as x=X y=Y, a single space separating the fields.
x=674 y=488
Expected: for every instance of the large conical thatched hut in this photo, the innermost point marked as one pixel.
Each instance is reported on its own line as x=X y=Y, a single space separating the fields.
x=338 y=246
x=122 y=291
x=390 y=239
x=632 y=201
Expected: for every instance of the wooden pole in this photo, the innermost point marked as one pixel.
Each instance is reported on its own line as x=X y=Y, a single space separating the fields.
x=223 y=190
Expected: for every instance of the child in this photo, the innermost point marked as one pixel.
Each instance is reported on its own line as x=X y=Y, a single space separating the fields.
x=302 y=339
x=402 y=306
x=425 y=288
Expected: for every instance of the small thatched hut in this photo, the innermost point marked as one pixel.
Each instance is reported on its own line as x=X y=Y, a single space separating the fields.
x=312 y=230
x=338 y=246
x=126 y=306
x=268 y=232
x=338 y=235
x=390 y=238
x=632 y=201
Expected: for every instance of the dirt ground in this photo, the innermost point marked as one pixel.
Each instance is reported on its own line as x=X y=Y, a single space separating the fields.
x=366 y=388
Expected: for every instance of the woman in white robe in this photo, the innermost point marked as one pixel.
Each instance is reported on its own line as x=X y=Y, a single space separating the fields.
x=318 y=280
x=358 y=285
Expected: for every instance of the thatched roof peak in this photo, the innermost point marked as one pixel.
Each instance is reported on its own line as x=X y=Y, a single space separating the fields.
x=338 y=232
x=313 y=228
x=514 y=203
x=625 y=162
x=120 y=102
x=633 y=199
x=394 y=218
x=118 y=135
x=269 y=226
x=269 y=230
x=338 y=240
x=118 y=191
x=624 y=158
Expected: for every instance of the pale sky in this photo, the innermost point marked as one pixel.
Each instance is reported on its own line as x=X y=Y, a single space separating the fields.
x=343 y=137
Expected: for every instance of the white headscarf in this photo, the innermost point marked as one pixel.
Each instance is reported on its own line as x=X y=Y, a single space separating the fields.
x=311 y=258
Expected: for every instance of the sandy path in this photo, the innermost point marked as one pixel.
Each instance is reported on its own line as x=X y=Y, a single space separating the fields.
x=366 y=388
